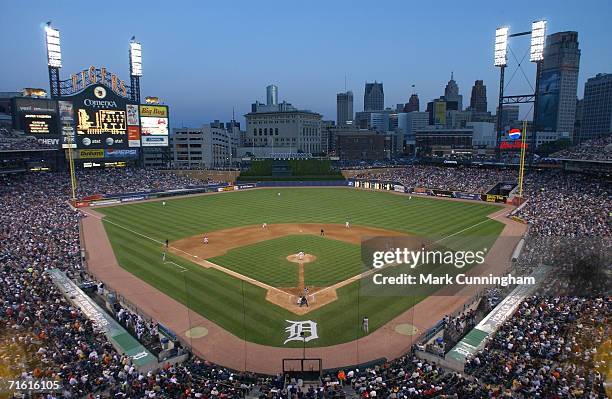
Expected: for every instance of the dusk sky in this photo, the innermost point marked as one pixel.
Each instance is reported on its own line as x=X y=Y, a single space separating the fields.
x=204 y=57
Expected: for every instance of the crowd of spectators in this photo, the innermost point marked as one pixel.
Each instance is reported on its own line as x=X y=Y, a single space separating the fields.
x=131 y=180
x=551 y=347
x=469 y=180
x=559 y=203
x=599 y=149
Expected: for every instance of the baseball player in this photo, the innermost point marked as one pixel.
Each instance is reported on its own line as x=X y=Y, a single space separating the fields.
x=205 y=239
x=166 y=243
x=347 y=225
x=164 y=256
x=264 y=226
x=365 y=324
x=163 y=203
x=322 y=232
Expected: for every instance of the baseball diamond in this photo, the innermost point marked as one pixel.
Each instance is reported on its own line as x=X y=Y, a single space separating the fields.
x=241 y=286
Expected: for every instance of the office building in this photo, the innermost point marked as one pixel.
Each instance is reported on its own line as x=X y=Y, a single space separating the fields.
x=280 y=128
x=437 y=141
x=478 y=99
x=483 y=134
x=409 y=123
x=199 y=148
x=558 y=83
x=359 y=144
x=596 y=107
x=510 y=116
x=271 y=95
x=413 y=104
x=451 y=93
x=382 y=120
x=374 y=97
x=344 y=108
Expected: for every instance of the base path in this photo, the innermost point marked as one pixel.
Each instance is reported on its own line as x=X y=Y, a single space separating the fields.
x=219 y=346
x=219 y=242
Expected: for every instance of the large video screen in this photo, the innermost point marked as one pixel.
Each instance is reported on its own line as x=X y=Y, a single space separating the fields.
x=102 y=119
x=37 y=117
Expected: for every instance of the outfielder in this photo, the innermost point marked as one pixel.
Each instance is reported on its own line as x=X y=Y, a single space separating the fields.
x=365 y=324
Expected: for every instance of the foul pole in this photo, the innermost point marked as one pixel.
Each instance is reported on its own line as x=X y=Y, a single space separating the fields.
x=522 y=164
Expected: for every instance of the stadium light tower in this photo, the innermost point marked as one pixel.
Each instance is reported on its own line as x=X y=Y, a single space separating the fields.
x=500 y=60
x=54 y=58
x=135 y=68
x=538 y=37
x=536 y=54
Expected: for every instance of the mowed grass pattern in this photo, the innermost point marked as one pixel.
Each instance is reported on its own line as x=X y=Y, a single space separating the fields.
x=136 y=232
x=267 y=261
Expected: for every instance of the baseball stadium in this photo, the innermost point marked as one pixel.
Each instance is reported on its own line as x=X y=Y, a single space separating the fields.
x=143 y=261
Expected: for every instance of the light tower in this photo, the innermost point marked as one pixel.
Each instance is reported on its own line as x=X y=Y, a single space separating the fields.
x=536 y=55
x=54 y=59
x=135 y=69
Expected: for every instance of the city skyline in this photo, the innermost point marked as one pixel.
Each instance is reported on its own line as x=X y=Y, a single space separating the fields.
x=203 y=68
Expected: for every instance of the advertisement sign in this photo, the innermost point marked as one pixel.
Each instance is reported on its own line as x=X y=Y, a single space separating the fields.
x=120 y=153
x=66 y=115
x=548 y=102
x=37 y=117
x=494 y=198
x=133 y=136
x=442 y=193
x=91 y=154
x=154 y=141
x=153 y=126
x=132 y=115
x=157 y=111
x=473 y=197
x=399 y=188
x=101 y=118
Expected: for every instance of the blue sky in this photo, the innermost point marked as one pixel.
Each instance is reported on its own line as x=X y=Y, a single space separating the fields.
x=205 y=57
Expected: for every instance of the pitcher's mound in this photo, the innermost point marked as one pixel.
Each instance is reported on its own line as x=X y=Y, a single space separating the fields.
x=306 y=258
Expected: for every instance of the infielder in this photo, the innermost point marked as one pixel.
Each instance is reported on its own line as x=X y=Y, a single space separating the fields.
x=205 y=240
x=347 y=225
x=264 y=226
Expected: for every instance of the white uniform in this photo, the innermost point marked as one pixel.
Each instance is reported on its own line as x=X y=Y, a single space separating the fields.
x=347 y=225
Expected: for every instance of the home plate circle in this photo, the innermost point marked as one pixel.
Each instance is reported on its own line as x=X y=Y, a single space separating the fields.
x=406 y=329
x=301 y=258
x=197 y=332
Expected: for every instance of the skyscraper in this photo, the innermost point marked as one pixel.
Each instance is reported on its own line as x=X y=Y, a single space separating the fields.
x=597 y=107
x=344 y=108
x=373 y=97
x=271 y=95
x=478 y=99
x=451 y=93
x=413 y=104
x=558 y=83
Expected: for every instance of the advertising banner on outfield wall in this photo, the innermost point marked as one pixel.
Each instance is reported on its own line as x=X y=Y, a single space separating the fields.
x=467 y=196
x=494 y=198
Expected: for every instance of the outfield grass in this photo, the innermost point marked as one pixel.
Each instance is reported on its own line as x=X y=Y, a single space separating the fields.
x=240 y=307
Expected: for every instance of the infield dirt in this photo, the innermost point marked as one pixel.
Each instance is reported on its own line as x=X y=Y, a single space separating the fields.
x=219 y=242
